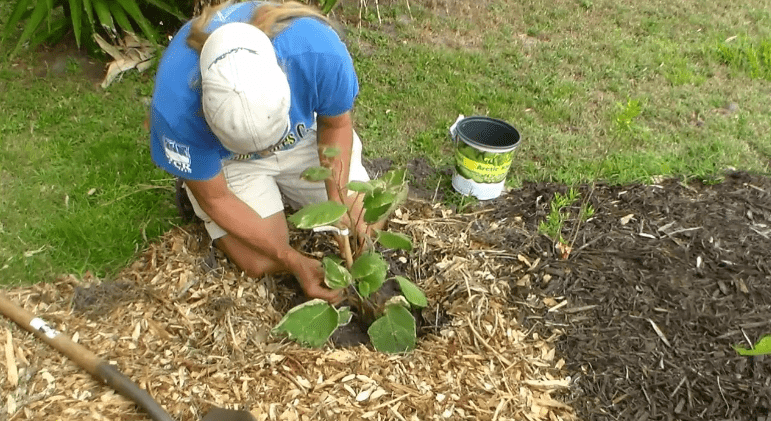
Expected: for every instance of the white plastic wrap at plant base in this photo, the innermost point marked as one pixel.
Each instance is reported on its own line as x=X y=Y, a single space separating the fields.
x=336 y=230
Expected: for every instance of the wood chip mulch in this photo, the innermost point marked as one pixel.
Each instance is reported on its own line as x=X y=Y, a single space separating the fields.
x=197 y=337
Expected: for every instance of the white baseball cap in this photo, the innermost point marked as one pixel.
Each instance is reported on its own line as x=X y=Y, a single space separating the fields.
x=246 y=95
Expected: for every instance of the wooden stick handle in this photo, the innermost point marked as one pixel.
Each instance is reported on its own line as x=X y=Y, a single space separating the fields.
x=83 y=358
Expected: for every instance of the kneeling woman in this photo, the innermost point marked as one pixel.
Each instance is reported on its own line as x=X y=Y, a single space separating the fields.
x=245 y=97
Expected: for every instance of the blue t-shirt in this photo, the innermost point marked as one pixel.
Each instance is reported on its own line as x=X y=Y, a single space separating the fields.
x=321 y=78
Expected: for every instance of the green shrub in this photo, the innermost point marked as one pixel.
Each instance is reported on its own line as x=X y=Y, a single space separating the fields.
x=361 y=274
x=50 y=20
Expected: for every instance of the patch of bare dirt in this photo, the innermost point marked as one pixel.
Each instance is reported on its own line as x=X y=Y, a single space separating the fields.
x=662 y=281
x=64 y=59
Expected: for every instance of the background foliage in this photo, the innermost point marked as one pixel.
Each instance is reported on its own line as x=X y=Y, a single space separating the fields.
x=49 y=20
x=598 y=90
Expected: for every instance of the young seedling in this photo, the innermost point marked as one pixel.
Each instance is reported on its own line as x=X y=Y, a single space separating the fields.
x=762 y=347
x=558 y=215
x=362 y=272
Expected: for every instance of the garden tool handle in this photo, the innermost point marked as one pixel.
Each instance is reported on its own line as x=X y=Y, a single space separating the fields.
x=83 y=358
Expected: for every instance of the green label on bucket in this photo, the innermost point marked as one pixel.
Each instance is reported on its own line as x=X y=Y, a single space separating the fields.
x=488 y=167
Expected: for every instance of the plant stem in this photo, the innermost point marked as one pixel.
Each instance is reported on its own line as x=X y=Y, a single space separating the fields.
x=347 y=251
x=343 y=194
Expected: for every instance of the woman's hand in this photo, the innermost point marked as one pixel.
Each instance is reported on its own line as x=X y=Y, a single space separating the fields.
x=310 y=275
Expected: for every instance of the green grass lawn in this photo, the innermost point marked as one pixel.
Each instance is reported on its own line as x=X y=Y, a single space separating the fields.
x=78 y=190
x=565 y=73
x=598 y=90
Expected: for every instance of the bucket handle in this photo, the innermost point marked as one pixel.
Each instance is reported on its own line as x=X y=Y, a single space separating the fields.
x=454 y=128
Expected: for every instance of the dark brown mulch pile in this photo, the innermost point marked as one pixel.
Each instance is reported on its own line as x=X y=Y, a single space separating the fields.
x=690 y=260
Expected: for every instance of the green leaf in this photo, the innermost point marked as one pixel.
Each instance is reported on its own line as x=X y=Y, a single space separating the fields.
x=131 y=7
x=16 y=14
x=105 y=17
x=370 y=270
x=379 y=198
x=331 y=151
x=377 y=204
x=36 y=18
x=120 y=17
x=371 y=283
x=387 y=194
x=372 y=215
x=411 y=292
x=76 y=15
x=359 y=186
x=378 y=184
x=762 y=347
x=344 y=316
x=395 y=178
x=169 y=8
x=89 y=9
x=394 y=240
x=318 y=214
x=327 y=5
x=366 y=264
x=50 y=6
x=401 y=195
x=335 y=275
x=394 y=332
x=316 y=174
x=310 y=324
x=53 y=34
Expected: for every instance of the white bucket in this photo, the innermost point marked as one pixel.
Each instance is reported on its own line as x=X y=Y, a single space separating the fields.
x=484 y=148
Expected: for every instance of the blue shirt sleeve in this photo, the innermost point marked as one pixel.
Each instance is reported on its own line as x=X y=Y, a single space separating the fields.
x=319 y=68
x=337 y=84
x=173 y=152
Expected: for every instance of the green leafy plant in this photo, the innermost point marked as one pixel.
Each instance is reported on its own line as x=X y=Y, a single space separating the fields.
x=553 y=224
x=362 y=271
x=49 y=20
x=626 y=114
x=762 y=347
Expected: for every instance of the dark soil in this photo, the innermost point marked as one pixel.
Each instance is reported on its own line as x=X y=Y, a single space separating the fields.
x=691 y=259
x=63 y=59
x=694 y=260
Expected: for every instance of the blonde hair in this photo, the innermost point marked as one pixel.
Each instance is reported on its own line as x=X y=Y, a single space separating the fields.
x=269 y=18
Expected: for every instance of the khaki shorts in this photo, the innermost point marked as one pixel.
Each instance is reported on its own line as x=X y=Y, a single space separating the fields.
x=261 y=183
